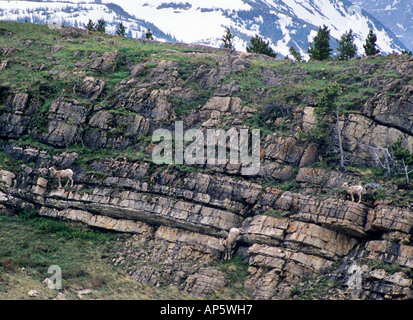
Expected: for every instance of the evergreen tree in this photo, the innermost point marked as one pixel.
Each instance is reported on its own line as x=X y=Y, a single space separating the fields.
x=227 y=39
x=320 y=48
x=90 y=26
x=258 y=45
x=121 y=30
x=346 y=46
x=297 y=56
x=148 y=34
x=370 y=46
x=101 y=26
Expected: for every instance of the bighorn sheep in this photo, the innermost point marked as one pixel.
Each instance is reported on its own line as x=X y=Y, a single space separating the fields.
x=229 y=242
x=352 y=190
x=62 y=174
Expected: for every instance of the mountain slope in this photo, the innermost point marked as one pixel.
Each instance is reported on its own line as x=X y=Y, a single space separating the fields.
x=284 y=23
x=74 y=99
x=397 y=15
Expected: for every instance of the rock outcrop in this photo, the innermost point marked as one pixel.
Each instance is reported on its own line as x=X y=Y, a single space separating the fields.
x=297 y=222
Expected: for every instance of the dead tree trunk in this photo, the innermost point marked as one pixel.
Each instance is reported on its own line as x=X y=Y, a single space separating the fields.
x=340 y=142
x=406 y=173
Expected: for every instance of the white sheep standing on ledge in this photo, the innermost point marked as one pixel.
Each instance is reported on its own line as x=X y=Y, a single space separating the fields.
x=62 y=174
x=229 y=242
x=352 y=190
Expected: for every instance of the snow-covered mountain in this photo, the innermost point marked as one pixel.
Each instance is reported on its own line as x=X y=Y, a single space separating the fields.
x=397 y=15
x=284 y=23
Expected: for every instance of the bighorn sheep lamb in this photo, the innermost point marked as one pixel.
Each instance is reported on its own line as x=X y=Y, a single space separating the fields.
x=62 y=174
x=229 y=242
x=352 y=190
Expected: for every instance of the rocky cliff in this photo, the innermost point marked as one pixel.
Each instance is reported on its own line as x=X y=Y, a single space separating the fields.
x=89 y=102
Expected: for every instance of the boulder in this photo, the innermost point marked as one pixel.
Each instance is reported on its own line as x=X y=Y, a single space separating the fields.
x=105 y=63
x=322 y=241
x=264 y=229
x=206 y=281
x=390 y=111
x=137 y=70
x=66 y=118
x=33 y=293
x=338 y=214
x=7 y=178
x=389 y=252
x=101 y=119
x=313 y=175
x=91 y=88
x=387 y=218
x=3 y=65
x=282 y=149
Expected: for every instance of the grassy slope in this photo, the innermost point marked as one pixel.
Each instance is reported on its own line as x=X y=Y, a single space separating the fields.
x=30 y=244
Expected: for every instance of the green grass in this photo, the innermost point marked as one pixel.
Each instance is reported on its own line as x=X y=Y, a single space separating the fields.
x=236 y=271
x=280 y=101
x=273 y=213
x=8 y=163
x=320 y=288
x=22 y=74
x=30 y=244
x=390 y=268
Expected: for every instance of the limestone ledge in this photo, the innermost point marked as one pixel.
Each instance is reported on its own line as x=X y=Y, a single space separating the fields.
x=143 y=207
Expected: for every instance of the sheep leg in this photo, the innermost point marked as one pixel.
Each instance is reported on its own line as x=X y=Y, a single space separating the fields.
x=352 y=197
x=67 y=182
x=228 y=253
x=60 y=184
x=71 y=182
x=359 y=197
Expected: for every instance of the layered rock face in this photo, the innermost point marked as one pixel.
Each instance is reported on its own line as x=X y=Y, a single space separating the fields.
x=177 y=240
x=297 y=221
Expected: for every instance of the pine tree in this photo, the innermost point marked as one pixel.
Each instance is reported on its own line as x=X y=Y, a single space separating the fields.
x=227 y=39
x=258 y=45
x=346 y=46
x=297 y=56
x=320 y=48
x=148 y=35
x=101 y=26
x=370 y=46
x=90 y=26
x=121 y=30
